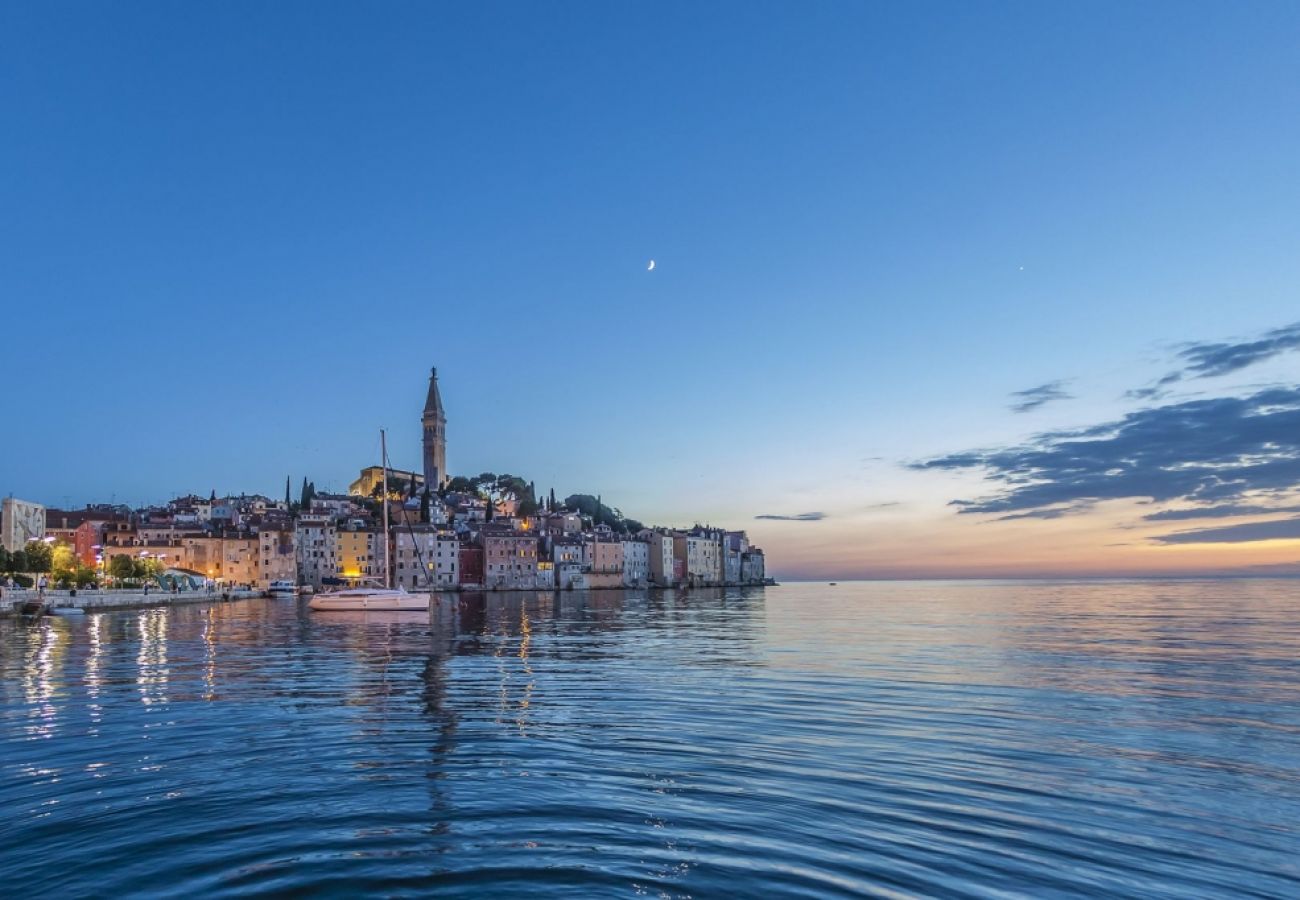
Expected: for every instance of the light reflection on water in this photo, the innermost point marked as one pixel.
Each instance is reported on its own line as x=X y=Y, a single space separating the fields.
x=918 y=738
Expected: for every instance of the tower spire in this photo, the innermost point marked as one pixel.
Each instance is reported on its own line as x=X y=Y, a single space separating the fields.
x=434 y=426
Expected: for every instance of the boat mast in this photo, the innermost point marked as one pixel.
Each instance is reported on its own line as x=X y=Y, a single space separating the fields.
x=388 y=562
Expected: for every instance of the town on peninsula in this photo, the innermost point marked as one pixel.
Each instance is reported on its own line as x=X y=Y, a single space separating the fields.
x=484 y=532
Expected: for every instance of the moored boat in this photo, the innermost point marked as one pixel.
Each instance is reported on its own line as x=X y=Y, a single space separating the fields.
x=282 y=588
x=369 y=599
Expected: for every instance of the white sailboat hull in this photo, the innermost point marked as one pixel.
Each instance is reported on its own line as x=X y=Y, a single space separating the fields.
x=366 y=600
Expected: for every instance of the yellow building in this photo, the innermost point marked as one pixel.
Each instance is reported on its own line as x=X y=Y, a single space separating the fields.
x=360 y=554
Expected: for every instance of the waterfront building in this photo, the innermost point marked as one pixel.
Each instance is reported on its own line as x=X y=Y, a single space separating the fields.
x=660 y=556
x=734 y=545
x=509 y=558
x=636 y=562
x=603 y=556
x=700 y=553
x=545 y=575
x=316 y=541
x=240 y=556
x=471 y=566
x=425 y=557
x=753 y=567
x=277 y=556
x=359 y=552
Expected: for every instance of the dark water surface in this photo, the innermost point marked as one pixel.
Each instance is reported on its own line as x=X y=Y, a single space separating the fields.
x=924 y=738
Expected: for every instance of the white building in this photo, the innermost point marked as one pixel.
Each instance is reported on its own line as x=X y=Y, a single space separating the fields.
x=636 y=563
x=701 y=551
x=20 y=523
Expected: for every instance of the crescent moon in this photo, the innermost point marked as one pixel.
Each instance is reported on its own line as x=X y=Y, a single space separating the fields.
x=651 y=267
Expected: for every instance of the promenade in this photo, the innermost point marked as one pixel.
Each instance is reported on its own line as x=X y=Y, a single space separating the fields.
x=97 y=600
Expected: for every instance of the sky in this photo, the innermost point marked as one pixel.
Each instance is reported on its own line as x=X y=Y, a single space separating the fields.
x=920 y=268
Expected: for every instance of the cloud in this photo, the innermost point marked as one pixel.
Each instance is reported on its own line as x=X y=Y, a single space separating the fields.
x=1199 y=451
x=798 y=517
x=1034 y=397
x=1051 y=512
x=1206 y=360
x=1217 y=512
x=1156 y=391
x=1283 y=529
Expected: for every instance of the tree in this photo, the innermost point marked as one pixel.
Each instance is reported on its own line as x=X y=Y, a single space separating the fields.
x=121 y=566
x=551 y=505
x=39 y=556
x=63 y=563
x=304 y=498
x=288 y=503
x=461 y=485
x=424 y=505
x=17 y=562
x=4 y=560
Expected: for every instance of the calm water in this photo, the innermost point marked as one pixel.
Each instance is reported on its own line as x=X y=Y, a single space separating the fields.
x=937 y=739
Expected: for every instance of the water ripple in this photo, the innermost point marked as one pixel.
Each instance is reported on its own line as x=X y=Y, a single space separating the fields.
x=908 y=739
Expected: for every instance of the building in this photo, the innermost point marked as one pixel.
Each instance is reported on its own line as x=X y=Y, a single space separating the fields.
x=316 y=540
x=359 y=553
x=434 y=425
x=734 y=545
x=277 y=557
x=603 y=557
x=471 y=566
x=370 y=482
x=660 y=555
x=20 y=523
x=509 y=559
x=636 y=563
x=425 y=558
x=700 y=551
x=753 y=566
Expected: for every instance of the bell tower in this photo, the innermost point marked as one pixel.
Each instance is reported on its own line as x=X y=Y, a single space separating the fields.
x=435 y=437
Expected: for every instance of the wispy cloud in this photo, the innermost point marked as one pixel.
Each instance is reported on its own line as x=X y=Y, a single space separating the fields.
x=1034 y=397
x=1051 y=512
x=1208 y=359
x=1283 y=529
x=1205 y=360
x=1201 y=451
x=797 y=517
x=1223 y=511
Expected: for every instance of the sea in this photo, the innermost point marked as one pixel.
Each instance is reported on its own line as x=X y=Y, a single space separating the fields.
x=867 y=739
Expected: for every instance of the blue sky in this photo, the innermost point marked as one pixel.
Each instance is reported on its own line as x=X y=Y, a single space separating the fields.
x=235 y=236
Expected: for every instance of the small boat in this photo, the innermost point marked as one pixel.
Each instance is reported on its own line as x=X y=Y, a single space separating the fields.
x=65 y=611
x=282 y=588
x=369 y=599
x=834 y=583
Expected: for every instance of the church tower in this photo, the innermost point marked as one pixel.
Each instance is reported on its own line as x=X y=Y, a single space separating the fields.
x=435 y=437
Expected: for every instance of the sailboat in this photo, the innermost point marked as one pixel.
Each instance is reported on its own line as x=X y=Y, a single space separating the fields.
x=374 y=598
